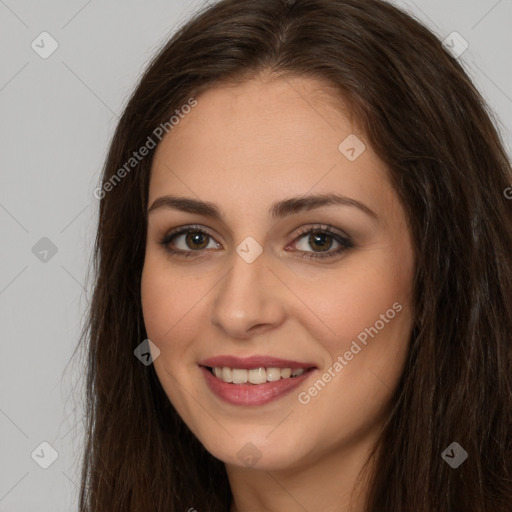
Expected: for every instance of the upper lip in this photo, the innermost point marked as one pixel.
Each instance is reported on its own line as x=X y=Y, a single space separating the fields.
x=257 y=361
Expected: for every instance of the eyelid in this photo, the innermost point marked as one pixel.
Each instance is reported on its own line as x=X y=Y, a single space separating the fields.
x=183 y=230
x=344 y=241
x=314 y=227
x=323 y=228
x=339 y=236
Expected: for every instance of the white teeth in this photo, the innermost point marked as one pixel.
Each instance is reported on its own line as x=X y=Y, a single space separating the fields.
x=255 y=375
x=227 y=375
x=239 y=376
x=286 y=373
x=273 y=374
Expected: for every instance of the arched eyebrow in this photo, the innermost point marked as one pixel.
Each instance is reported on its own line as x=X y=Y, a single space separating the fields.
x=278 y=210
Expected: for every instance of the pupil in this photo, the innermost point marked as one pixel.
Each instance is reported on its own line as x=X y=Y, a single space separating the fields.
x=195 y=238
x=318 y=238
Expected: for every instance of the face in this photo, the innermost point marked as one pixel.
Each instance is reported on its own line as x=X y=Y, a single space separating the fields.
x=265 y=276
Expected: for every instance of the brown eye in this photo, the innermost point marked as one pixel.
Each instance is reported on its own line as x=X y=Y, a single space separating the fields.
x=317 y=242
x=321 y=240
x=196 y=240
x=187 y=241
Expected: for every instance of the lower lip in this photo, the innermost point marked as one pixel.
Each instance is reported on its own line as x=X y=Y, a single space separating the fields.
x=252 y=394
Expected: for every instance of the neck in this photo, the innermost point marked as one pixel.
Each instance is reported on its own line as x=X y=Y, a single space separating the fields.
x=330 y=484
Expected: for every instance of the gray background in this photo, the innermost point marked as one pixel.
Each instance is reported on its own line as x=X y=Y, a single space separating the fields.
x=57 y=117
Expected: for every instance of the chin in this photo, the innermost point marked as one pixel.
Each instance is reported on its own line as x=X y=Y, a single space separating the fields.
x=253 y=452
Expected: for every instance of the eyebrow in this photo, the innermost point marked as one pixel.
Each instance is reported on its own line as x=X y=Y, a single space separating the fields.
x=278 y=210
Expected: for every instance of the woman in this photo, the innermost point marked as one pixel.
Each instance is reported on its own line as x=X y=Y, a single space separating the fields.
x=302 y=296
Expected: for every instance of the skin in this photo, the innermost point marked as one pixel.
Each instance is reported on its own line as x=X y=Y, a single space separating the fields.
x=244 y=147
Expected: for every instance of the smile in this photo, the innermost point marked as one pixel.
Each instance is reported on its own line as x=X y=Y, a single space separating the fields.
x=252 y=381
x=256 y=375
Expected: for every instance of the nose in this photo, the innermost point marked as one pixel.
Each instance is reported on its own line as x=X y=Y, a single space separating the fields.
x=249 y=300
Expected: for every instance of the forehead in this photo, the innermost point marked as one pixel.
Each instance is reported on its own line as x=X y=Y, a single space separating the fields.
x=295 y=108
x=261 y=140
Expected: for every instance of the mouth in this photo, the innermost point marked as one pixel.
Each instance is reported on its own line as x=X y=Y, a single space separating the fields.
x=255 y=376
x=257 y=380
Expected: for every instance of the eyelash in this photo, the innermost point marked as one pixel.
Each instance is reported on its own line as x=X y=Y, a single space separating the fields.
x=344 y=242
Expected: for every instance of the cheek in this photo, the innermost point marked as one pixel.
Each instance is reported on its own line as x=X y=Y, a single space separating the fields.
x=354 y=300
x=169 y=300
x=170 y=306
x=367 y=310
x=158 y=304
x=369 y=313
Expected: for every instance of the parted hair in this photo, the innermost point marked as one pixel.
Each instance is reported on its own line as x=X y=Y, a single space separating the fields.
x=446 y=161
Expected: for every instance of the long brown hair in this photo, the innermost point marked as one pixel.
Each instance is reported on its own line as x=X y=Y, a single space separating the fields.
x=447 y=164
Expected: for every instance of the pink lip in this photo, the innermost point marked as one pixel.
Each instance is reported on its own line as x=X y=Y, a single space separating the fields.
x=252 y=394
x=248 y=363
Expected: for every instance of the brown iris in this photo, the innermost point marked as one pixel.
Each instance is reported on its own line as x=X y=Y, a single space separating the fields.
x=319 y=239
x=194 y=237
